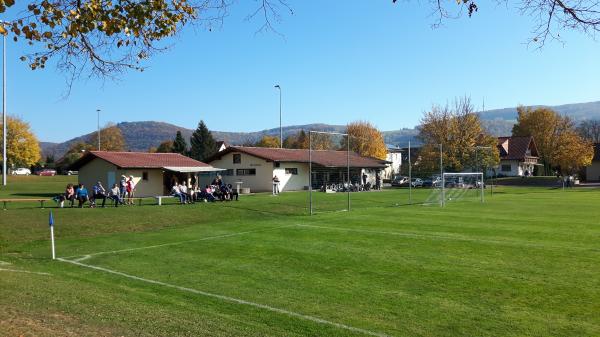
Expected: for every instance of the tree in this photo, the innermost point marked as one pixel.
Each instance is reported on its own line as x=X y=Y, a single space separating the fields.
x=75 y=152
x=366 y=140
x=268 y=141
x=111 y=138
x=590 y=130
x=105 y=38
x=203 y=144
x=165 y=147
x=179 y=145
x=22 y=147
x=572 y=153
x=322 y=141
x=458 y=129
x=297 y=141
x=555 y=137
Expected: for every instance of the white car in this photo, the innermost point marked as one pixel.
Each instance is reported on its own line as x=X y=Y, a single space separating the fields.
x=21 y=171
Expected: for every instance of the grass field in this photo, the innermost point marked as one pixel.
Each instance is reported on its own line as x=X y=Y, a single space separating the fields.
x=525 y=263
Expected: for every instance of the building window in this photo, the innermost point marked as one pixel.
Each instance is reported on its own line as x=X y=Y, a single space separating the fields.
x=506 y=168
x=237 y=158
x=293 y=171
x=277 y=164
x=145 y=176
x=228 y=172
x=246 y=172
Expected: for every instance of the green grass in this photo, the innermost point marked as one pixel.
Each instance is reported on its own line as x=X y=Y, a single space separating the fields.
x=525 y=263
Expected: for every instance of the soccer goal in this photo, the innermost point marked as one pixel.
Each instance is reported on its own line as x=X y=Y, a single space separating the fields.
x=462 y=186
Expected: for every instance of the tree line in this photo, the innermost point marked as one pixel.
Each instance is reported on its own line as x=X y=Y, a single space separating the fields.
x=563 y=146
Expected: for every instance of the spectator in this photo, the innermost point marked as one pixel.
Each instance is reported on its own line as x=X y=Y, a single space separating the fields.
x=68 y=195
x=99 y=193
x=123 y=187
x=275 y=185
x=184 y=191
x=82 y=196
x=130 y=188
x=176 y=192
x=206 y=194
x=224 y=193
x=115 y=195
x=378 y=181
x=232 y=193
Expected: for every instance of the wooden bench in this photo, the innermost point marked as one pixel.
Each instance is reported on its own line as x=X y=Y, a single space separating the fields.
x=159 y=198
x=6 y=201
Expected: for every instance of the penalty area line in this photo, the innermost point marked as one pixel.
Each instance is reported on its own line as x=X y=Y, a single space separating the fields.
x=230 y=299
x=87 y=256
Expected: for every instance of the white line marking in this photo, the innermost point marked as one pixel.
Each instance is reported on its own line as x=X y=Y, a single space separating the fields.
x=231 y=299
x=446 y=237
x=87 y=256
x=24 y=271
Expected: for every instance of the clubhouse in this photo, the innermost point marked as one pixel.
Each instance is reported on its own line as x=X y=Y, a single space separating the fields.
x=153 y=173
x=255 y=167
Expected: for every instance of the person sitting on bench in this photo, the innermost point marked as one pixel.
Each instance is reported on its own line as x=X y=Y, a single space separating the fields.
x=81 y=195
x=232 y=193
x=115 y=195
x=176 y=192
x=68 y=195
x=99 y=193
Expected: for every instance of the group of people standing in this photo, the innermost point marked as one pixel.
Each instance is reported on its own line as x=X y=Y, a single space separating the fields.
x=217 y=190
x=121 y=194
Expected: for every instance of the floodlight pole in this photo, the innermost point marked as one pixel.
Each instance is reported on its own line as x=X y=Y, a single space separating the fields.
x=98 y=111
x=310 y=203
x=442 y=174
x=409 y=176
x=280 y=127
x=348 y=168
x=4 y=134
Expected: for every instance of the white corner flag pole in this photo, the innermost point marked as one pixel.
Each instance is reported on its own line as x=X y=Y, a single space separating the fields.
x=51 y=223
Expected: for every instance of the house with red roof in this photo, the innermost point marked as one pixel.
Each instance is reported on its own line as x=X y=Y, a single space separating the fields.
x=518 y=156
x=153 y=173
x=255 y=167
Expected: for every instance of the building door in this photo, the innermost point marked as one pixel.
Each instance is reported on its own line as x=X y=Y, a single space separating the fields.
x=110 y=179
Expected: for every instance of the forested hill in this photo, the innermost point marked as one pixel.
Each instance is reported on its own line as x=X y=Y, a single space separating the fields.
x=140 y=136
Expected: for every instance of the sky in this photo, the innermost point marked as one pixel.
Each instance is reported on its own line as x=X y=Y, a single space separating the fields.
x=336 y=62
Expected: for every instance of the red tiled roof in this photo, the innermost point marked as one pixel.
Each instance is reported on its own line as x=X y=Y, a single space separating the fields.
x=517 y=147
x=327 y=158
x=140 y=159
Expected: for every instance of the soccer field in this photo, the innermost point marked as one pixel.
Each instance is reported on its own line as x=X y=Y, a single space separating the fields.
x=524 y=263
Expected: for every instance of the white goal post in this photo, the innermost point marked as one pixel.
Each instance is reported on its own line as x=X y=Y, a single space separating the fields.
x=457 y=181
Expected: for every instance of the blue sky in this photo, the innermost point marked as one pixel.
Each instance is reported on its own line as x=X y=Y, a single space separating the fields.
x=336 y=62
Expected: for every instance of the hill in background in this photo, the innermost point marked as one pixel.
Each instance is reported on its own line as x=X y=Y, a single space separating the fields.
x=140 y=136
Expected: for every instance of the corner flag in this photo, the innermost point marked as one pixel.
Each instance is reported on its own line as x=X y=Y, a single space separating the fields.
x=51 y=224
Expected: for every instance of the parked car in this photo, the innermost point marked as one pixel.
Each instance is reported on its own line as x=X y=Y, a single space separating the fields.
x=47 y=173
x=72 y=173
x=21 y=171
x=416 y=182
x=400 y=181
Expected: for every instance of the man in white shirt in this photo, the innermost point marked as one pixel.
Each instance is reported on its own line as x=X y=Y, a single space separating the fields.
x=183 y=190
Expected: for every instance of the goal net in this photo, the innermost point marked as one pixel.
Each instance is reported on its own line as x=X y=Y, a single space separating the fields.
x=466 y=186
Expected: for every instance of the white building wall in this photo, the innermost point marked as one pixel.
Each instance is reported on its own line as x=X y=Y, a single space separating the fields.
x=395 y=158
x=107 y=173
x=261 y=182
